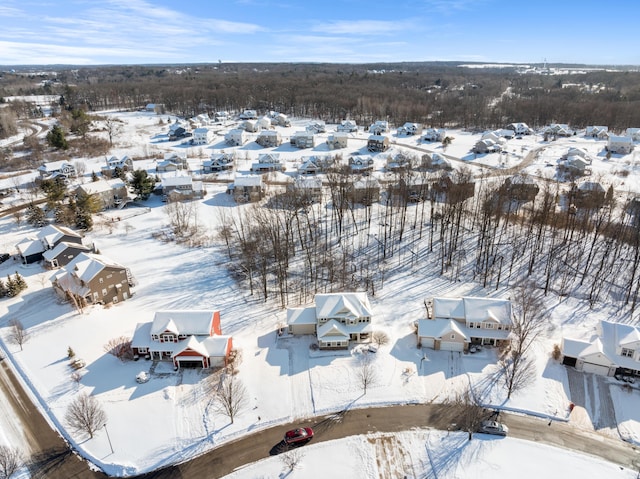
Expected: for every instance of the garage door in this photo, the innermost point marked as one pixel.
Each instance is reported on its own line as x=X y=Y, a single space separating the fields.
x=190 y=363
x=451 y=346
x=595 y=368
x=427 y=342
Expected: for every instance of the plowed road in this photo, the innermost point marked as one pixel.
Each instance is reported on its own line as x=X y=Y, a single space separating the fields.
x=52 y=458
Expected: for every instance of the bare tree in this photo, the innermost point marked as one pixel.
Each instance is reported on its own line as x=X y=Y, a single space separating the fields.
x=182 y=216
x=465 y=411
x=114 y=128
x=366 y=372
x=11 y=459
x=230 y=397
x=291 y=459
x=18 y=334
x=380 y=338
x=85 y=415
x=119 y=347
x=528 y=324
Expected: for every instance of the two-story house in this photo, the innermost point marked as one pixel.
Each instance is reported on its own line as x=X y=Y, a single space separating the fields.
x=218 y=162
x=188 y=338
x=269 y=138
x=112 y=164
x=336 y=319
x=93 y=279
x=615 y=349
x=32 y=248
x=247 y=188
x=453 y=324
x=176 y=188
x=110 y=193
x=55 y=169
x=267 y=162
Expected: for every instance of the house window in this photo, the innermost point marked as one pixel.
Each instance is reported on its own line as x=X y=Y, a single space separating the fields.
x=453 y=336
x=167 y=338
x=101 y=280
x=471 y=325
x=488 y=325
x=627 y=353
x=142 y=350
x=104 y=292
x=478 y=325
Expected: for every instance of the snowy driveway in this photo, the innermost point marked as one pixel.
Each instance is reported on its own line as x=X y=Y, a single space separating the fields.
x=591 y=391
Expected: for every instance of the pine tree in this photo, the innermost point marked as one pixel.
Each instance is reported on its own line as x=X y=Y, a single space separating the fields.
x=56 y=138
x=70 y=352
x=3 y=289
x=142 y=184
x=11 y=287
x=21 y=284
x=35 y=215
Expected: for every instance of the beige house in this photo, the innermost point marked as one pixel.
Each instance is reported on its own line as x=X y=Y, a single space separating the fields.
x=247 y=188
x=456 y=323
x=336 y=319
x=110 y=193
x=181 y=188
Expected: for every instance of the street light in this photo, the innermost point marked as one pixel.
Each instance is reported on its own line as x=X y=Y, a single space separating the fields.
x=108 y=438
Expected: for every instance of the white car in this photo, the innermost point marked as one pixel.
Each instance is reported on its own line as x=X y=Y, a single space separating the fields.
x=493 y=427
x=142 y=377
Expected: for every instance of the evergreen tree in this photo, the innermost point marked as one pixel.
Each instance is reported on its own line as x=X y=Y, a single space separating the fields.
x=11 y=287
x=3 y=289
x=56 y=138
x=70 y=352
x=20 y=283
x=94 y=176
x=84 y=220
x=35 y=215
x=142 y=184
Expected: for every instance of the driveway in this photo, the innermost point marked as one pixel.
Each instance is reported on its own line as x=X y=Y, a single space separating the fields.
x=591 y=392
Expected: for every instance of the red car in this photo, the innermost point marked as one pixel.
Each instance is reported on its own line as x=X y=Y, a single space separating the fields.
x=300 y=434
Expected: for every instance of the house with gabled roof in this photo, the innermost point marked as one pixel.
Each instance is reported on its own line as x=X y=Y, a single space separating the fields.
x=379 y=127
x=63 y=254
x=338 y=140
x=633 y=133
x=336 y=319
x=365 y=191
x=361 y=163
x=247 y=188
x=303 y=139
x=614 y=349
x=454 y=324
x=112 y=164
x=267 y=162
x=308 y=189
x=202 y=136
x=348 y=126
x=181 y=187
x=218 y=162
x=316 y=126
x=188 y=338
x=409 y=129
x=110 y=193
x=269 y=138
x=32 y=248
x=236 y=137
x=93 y=278
x=433 y=134
x=308 y=167
x=620 y=144
x=377 y=143
x=519 y=128
x=597 y=131
x=53 y=169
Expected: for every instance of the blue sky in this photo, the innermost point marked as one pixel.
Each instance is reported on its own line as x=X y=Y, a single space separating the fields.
x=349 y=31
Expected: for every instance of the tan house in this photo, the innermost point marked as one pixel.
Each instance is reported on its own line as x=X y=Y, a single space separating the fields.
x=336 y=319
x=110 y=193
x=247 y=188
x=269 y=138
x=303 y=139
x=175 y=188
x=456 y=323
x=338 y=140
x=377 y=143
x=188 y=338
x=92 y=279
x=308 y=189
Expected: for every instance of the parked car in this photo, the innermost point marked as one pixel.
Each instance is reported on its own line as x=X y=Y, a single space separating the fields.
x=4 y=257
x=142 y=377
x=298 y=435
x=493 y=427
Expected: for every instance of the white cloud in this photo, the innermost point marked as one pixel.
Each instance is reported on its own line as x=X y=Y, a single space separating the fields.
x=363 y=27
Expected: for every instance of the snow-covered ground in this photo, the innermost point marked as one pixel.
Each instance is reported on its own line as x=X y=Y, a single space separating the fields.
x=170 y=418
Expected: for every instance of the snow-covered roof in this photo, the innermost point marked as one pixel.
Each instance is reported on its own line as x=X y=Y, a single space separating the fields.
x=342 y=305
x=179 y=180
x=301 y=315
x=188 y=322
x=101 y=186
x=472 y=309
x=333 y=329
x=437 y=328
x=52 y=254
x=86 y=266
x=248 y=180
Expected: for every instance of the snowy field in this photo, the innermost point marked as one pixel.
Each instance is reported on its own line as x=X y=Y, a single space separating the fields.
x=170 y=418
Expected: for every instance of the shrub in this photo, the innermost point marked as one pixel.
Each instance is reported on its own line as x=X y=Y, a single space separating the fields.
x=556 y=353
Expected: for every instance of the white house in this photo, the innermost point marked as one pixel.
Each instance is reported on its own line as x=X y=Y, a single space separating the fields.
x=433 y=134
x=303 y=139
x=348 y=126
x=267 y=162
x=336 y=319
x=379 y=127
x=236 y=137
x=620 y=144
x=317 y=126
x=457 y=323
x=202 y=136
x=633 y=133
x=520 y=128
x=615 y=349
x=596 y=131
x=54 y=169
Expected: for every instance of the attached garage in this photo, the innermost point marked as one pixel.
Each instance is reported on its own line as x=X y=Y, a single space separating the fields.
x=595 y=369
x=427 y=342
x=451 y=346
x=192 y=362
